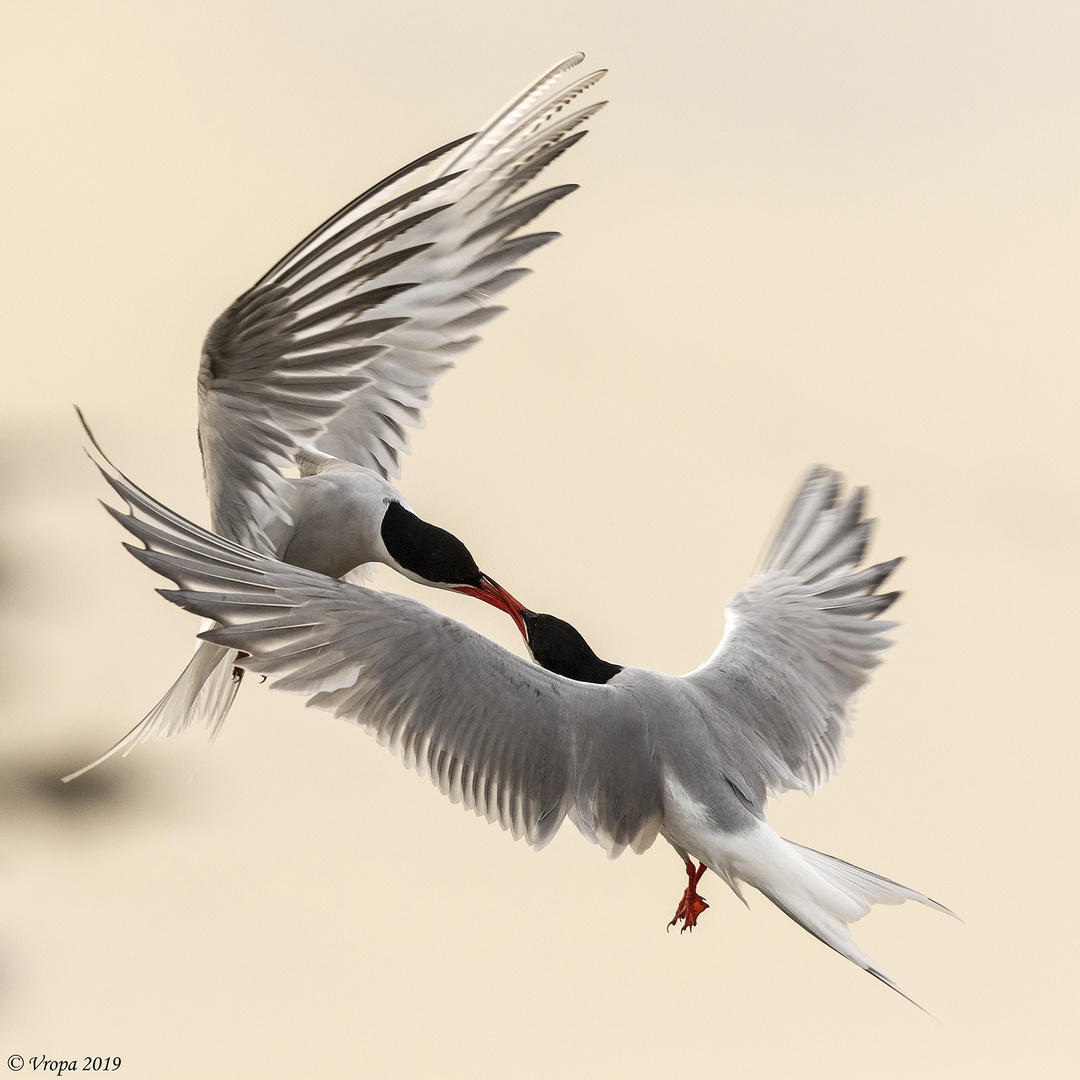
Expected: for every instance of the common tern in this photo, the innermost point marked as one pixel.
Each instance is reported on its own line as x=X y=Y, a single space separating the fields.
x=626 y=753
x=331 y=356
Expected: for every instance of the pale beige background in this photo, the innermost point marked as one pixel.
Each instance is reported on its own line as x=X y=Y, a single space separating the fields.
x=841 y=232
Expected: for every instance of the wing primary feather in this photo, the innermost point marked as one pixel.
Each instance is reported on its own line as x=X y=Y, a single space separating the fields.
x=866 y=581
x=488 y=134
x=846 y=550
x=473 y=320
x=486 y=290
x=185 y=571
x=525 y=171
x=352 y=306
x=519 y=214
x=137 y=499
x=544 y=111
x=168 y=543
x=869 y=606
x=382 y=185
x=816 y=493
x=380 y=212
x=358 y=331
x=513 y=249
x=358 y=275
x=832 y=530
x=368 y=243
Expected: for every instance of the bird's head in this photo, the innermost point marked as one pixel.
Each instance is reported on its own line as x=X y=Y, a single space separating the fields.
x=557 y=646
x=432 y=556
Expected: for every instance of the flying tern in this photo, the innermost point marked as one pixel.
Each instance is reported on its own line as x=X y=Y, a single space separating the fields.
x=625 y=753
x=331 y=356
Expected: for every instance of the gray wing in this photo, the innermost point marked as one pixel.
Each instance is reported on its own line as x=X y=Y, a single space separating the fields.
x=491 y=730
x=800 y=641
x=339 y=344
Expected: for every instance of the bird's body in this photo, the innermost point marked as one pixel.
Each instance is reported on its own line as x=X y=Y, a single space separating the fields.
x=336 y=512
x=628 y=754
x=337 y=519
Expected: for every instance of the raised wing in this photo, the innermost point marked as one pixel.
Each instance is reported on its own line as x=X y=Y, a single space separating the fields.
x=491 y=730
x=800 y=641
x=339 y=345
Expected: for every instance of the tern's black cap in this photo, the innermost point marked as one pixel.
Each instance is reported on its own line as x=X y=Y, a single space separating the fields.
x=557 y=646
x=429 y=552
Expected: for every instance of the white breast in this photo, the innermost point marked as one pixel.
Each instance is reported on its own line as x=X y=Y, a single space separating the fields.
x=338 y=513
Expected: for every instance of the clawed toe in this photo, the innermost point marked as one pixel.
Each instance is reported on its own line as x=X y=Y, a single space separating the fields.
x=692 y=904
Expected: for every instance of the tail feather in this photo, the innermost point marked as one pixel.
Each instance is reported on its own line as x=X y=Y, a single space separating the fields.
x=821 y=893
x=204 y=690
x=838 y=938
x=862 y=884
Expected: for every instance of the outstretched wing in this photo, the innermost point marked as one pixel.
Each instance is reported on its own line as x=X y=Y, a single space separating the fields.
x=800 y=641
x=491 y=730
x=339 y=344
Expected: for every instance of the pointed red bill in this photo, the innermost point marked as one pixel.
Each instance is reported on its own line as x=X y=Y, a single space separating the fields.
x=494 y=594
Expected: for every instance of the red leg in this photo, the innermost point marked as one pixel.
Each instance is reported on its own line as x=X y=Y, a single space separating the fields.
x=692 y=904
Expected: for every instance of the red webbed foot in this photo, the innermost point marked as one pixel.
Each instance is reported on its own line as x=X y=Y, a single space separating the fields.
x=692 y=904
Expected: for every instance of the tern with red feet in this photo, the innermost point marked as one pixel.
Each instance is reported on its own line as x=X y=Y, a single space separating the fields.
x=627 y=754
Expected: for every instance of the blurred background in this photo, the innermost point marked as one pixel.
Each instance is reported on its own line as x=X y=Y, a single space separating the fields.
x=835 y=231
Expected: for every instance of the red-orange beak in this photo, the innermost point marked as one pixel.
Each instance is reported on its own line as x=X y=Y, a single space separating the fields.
x=494 y=594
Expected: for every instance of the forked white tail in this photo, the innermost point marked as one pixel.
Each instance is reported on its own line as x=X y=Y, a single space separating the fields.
x=821 y=893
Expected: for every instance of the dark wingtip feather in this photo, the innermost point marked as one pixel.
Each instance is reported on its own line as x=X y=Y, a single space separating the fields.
x=89 y=433
x=863 y=532
x=890 y=599
x=886 y=569
x=882 y=977
x=862 y=583
x=125 y=520
x=160 y=564
x=519 y=214
x=382 y=185
x=864 y=606
x=100 y=454
x=196 y=603
x=857 y=502
x=174 y=596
